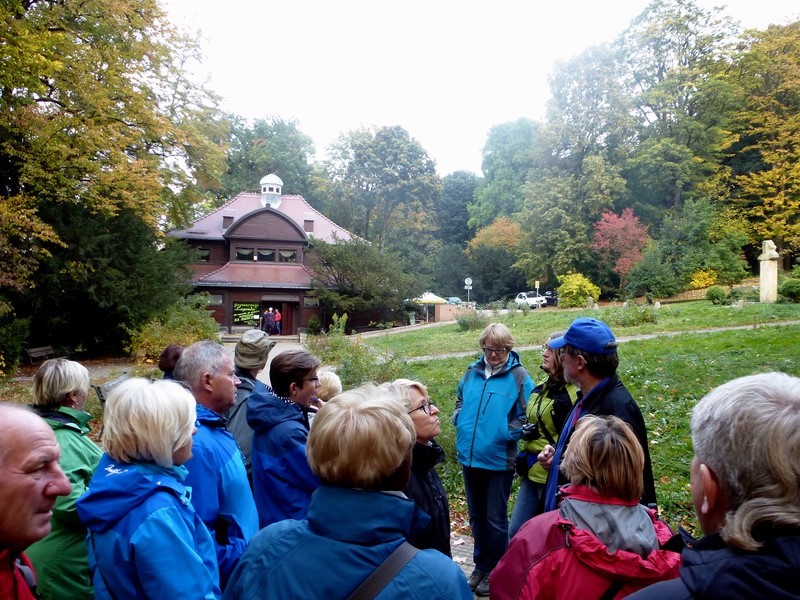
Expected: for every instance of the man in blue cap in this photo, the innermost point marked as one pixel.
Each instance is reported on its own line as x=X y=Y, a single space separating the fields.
x=589 y=352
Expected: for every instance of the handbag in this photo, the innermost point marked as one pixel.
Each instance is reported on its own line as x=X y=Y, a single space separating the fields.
x=381 y=577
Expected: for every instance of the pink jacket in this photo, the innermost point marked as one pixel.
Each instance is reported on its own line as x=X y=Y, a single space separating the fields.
x=551 y=558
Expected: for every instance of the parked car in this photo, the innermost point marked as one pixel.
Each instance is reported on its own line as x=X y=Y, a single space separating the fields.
x=453 y=300
x=552 y=297
x=532 y=299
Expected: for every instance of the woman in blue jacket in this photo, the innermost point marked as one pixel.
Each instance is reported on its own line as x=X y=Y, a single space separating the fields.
x=145 y=539
x=490 y=411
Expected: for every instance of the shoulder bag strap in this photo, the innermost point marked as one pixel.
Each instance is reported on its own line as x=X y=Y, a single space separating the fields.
x=381 y=577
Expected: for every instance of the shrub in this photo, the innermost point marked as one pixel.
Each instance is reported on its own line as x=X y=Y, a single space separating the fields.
x=314 y=325
x=574 y=289
x=631 y=315
x=470 y=320
x=716 y=294
x=790 y=288
x=186 y=322
x=746 y=293
x=702 y=279
x=355 y=363
x=12 y=340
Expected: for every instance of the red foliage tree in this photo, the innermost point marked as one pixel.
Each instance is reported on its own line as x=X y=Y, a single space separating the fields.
x=620 y=239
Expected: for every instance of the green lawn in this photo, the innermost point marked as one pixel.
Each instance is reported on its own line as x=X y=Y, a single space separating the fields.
x=666 y=375
x=532 y=328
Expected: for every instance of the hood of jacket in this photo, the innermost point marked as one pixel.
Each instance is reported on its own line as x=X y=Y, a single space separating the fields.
x=480 y=364
x=117 y=488
x=266 y=410
x=381 y=515
x=622 y=564
x=424 y=457
x=712 y=570
x=64 y=417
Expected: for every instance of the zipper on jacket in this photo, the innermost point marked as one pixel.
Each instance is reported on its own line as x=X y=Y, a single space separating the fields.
x=478 y=414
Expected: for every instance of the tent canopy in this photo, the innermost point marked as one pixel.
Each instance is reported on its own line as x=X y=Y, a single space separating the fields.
x=429 y=298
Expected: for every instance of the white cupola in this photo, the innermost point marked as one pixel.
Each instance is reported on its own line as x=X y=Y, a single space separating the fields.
x=271 y=187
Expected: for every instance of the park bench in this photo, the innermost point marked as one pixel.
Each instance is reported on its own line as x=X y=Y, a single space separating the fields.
x=42 y=352
x=103 y=389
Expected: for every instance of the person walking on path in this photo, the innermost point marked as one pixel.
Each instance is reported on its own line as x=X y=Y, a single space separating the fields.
x=491 y=399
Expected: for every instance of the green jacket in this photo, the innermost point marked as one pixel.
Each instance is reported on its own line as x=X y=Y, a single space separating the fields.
x=550 y=404
x=61 y=559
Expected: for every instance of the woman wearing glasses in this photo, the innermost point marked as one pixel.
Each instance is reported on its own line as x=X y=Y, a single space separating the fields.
x=490 y=410
x=425 y=487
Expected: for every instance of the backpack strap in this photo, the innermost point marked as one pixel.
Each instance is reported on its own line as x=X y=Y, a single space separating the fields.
x=387 y=571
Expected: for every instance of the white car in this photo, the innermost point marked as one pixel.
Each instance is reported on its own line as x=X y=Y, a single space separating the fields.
x=532 y=299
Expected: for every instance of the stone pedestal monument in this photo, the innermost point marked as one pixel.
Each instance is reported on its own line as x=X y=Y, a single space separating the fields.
x=768 y=274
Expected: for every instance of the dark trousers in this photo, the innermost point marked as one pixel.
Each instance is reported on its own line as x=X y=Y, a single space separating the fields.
x=487 y=502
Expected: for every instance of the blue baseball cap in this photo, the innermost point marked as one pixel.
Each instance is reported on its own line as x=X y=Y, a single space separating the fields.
x=589 y=335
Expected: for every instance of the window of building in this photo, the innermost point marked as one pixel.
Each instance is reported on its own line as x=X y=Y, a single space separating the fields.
x=203 y=254
x=215 y=299
x=245 y=254
x=287 y=256
x=308 y=225
x=266 y=255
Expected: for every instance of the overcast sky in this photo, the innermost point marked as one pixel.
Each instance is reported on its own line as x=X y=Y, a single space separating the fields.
x=444 y=70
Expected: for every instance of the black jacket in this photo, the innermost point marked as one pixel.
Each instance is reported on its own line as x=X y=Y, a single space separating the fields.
x=613 y=398
x=712 y=571
x=426 y=490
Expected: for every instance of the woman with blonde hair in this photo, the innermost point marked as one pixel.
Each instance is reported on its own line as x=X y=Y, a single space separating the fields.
x=360 y=449
x=145 y=538
x=491 y=399
x=60 y=390
x=600 y=543
x=425 y=486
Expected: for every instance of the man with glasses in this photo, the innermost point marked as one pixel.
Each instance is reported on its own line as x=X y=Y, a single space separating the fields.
x=589 y=354
x=282 y=480
x=490 y=410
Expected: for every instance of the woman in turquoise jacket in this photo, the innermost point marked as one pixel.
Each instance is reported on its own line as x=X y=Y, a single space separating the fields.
x=60 y=388
x=490 y=412
x=145 y=538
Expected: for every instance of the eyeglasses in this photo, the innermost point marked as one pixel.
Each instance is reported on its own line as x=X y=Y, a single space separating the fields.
x=498 y=351
x=426 y=407
x=312 y=379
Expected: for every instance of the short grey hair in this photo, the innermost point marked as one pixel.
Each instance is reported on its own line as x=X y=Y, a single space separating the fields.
x=148 y=420
x=56 y=378
x=199 y=358
x=747 y=431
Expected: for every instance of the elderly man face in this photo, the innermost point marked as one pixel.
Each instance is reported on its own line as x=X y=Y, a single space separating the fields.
x=30 y=478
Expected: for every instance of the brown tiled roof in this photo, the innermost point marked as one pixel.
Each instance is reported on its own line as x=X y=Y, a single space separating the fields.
x=259 y=275
x=296 y=208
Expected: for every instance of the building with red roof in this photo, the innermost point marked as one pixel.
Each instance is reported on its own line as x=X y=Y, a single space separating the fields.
x=254 y=254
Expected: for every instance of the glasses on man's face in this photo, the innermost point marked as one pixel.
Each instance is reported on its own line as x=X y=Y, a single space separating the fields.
x=426 y=407
x=312 y=379
x=496 y=351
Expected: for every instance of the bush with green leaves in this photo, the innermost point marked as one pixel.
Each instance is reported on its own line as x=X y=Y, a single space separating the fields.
x=186 y=322
x=12 y=340
x=355 y=362
x=744 y=292
x=314 y=325
x=790 y=288
x=470 y=320
x=716 y=294
x=575 y=289
x=631 y=315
